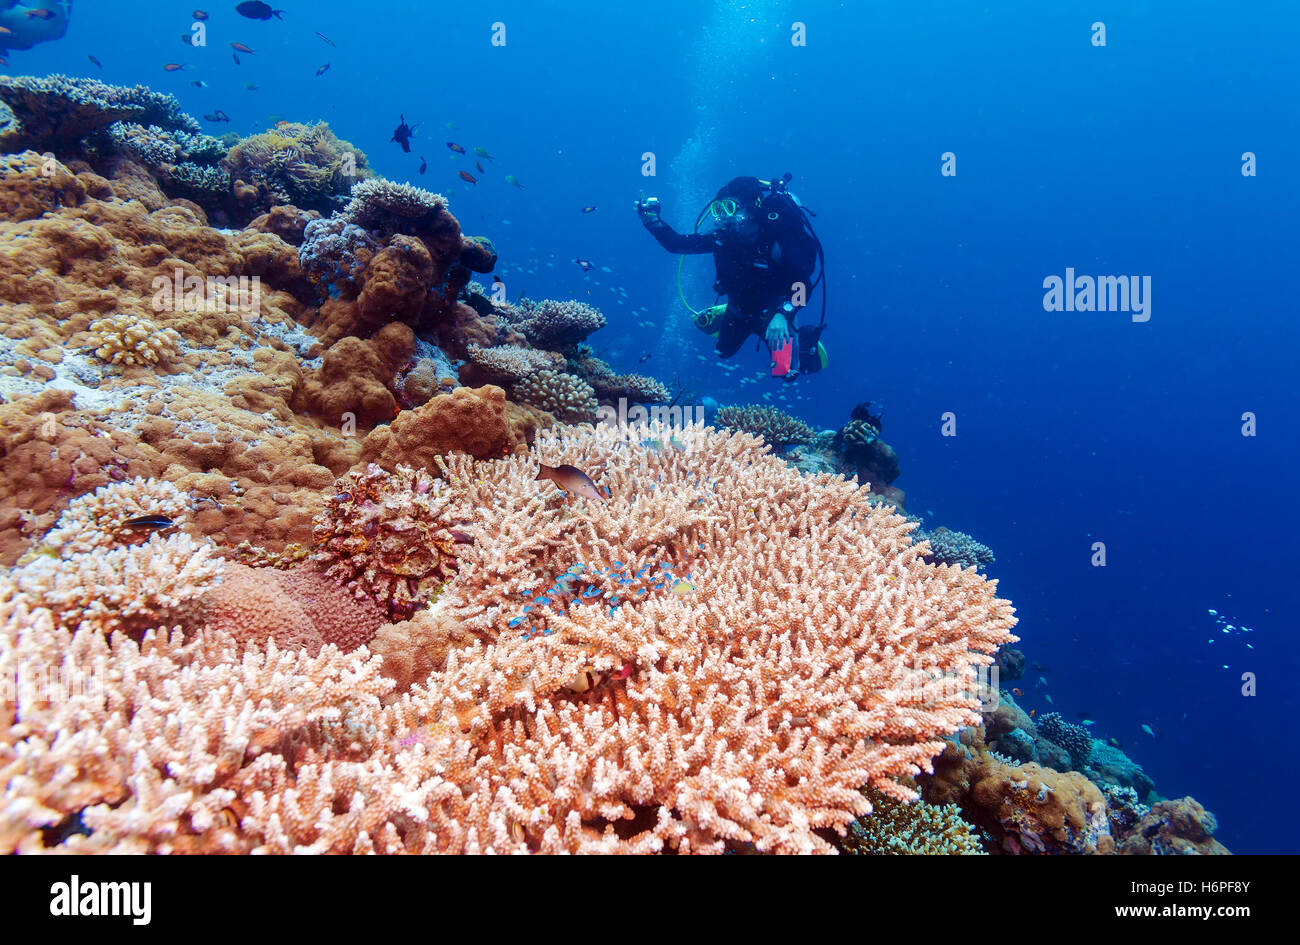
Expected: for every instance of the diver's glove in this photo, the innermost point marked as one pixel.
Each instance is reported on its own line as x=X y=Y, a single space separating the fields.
x=648 y=209
x=778 y=331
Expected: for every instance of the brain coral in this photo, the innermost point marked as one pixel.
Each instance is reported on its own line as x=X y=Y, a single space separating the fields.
x=388 y=536
x=130 y=340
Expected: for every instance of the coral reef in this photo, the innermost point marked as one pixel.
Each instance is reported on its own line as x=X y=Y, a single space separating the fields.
x=770 y=423
x=1174 y=828
x=732 y=732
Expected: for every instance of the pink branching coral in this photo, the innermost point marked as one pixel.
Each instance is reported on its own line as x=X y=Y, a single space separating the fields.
x=387 y=535
x=810 y=653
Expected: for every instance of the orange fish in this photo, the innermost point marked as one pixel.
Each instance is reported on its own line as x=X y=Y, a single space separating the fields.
x=5 y=31
x=468 y=177
x=571 y=479
x=1017 y=693
x=479 y=165
x=173 y=67
x=240 y=47
x=455 y=147
x=1032 y=713
x=41 y=14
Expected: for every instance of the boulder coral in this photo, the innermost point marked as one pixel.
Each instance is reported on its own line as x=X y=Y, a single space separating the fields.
x=469 y=420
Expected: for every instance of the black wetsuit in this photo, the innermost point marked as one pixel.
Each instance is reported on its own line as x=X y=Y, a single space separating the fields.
x=756 y=277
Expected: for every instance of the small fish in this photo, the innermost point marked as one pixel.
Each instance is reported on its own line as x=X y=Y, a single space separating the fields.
x=1089 y=722
x=516 y=622
x=592 y=592
x=676 y=442
x=257 y=10
x=95 y=61
x=479 y=165
x=588 y=209
x=541 y=600
x=1114 y=742
x=41 y=14
x=571 y=480
x=644 y=358
x=1147 y=728
x=322 y=70
x=240 y=47
x=1017 y=693
x=481 y=152
x=327 y=39
x=1049 y=698
x=149 y=522
x=173 y=67
x=652 y=445
x=424 y=165
x=455 y=147
x=512 y=179
x=5 y=31
x=467 y=177
x=403 y=134
x=1214 y=613
x=221 y=116
x=199 y=15
x=585 y=264
x=250 y=86
x=235 y=56
x=682 y=587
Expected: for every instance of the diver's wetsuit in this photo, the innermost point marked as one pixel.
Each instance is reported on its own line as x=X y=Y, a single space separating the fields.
x=757 y=277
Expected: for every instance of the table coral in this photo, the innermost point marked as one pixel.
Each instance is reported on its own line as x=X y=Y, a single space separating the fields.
x=750 y=709
x=770 y=423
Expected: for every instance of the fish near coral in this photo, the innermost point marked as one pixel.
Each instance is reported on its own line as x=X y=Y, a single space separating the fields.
x=571 y=480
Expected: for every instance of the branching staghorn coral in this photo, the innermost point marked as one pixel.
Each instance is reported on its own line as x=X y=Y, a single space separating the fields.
x=128 y=340
x=742 y=712
x=387 y=536
x=772 y=424
x=896 y=828
x=569 y=398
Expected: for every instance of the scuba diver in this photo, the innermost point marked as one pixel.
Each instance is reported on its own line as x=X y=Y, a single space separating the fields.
x=765 y=253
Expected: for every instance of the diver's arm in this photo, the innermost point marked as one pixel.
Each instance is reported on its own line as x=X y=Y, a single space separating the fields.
x=670 y=239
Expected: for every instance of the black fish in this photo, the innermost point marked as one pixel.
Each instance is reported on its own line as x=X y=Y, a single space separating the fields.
x=326 y=38
x=588 y=209
x=187 y=39
x=95 y=61
x=585 y=264
x=235 y=56
x=403 y=133
x=257 y=10
x=424 y=165
x=322 y=70
x=644 y=358
x=154 y=522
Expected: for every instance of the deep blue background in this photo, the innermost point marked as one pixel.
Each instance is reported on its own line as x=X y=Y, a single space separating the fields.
x=1072 y=427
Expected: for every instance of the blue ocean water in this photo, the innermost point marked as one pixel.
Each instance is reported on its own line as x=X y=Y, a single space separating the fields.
x=1071 y=427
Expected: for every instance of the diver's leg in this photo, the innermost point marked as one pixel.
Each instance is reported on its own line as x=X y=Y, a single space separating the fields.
x=733 y=331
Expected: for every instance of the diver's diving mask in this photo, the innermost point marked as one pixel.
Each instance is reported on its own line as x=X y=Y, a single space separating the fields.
x=724 y=209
